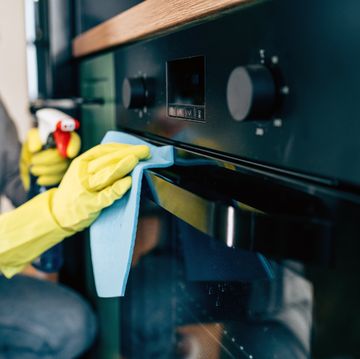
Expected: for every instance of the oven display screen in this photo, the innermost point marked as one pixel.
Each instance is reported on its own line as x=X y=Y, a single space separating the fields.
x=186 y=88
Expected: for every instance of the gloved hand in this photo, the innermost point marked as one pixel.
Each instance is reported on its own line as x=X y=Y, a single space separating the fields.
x=94 y=181
x=48 y=165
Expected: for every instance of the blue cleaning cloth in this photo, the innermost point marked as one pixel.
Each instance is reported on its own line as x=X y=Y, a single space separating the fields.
x=112 y=235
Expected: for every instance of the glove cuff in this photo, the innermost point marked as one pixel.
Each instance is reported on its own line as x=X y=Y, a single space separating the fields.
x=27 y=232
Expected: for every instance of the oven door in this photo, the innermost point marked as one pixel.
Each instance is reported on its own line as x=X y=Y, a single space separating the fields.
x=221 y=266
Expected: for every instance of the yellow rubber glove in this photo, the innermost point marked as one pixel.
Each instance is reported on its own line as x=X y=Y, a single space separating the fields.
x=93 y=181
x=47 y=165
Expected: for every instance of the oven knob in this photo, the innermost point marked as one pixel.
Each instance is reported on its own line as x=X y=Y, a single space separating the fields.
x=250 y=92
x=133 y=93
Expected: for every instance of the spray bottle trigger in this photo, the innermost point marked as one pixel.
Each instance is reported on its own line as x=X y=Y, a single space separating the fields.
x=62 y=140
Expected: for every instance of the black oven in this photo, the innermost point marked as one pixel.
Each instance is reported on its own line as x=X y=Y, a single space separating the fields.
x=247 y=246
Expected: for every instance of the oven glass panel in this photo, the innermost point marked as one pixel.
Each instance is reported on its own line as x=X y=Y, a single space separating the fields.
x=190 y=297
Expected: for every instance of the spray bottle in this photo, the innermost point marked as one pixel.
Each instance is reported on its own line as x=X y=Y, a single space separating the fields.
x=55 y=129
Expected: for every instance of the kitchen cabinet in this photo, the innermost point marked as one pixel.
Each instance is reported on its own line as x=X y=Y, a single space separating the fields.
x=92 y=12
x=97 y=81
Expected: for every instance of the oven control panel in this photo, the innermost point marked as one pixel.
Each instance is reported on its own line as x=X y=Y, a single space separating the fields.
x=185 y=86
x=250 y=92
x=134 y=93
x=271 y=83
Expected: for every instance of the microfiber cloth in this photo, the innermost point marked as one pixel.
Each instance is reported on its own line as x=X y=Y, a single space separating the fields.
x=112 y=235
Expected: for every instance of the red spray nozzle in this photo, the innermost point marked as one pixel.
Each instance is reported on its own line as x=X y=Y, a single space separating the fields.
x=62 y=134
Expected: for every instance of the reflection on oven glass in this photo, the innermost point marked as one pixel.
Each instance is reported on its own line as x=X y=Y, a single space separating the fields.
x=189 y=299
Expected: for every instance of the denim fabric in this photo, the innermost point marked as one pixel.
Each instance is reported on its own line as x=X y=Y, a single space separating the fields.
x=39 y=319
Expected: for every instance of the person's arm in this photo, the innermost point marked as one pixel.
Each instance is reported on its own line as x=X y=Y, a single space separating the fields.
x=93 y=181
x=26 y=232
x=11 y=183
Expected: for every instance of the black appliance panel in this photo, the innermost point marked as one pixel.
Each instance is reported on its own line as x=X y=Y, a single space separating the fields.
x=309 y=124
x=54 y=29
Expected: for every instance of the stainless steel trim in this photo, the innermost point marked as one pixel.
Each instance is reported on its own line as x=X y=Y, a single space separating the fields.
x=64 y=103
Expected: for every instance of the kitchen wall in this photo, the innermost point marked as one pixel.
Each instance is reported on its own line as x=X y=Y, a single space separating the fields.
x=13 y=83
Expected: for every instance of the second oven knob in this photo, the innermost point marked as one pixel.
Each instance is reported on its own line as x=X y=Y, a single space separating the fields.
x=133 y=93
x=250 y=92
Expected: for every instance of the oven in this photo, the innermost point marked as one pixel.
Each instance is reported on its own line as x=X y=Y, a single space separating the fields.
x=247 y=246
x=213 y=277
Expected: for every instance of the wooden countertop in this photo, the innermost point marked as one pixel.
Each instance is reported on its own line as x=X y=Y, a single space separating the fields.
x=146 y=19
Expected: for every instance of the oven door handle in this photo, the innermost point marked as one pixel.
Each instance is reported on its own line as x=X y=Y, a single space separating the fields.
x=238 y=225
